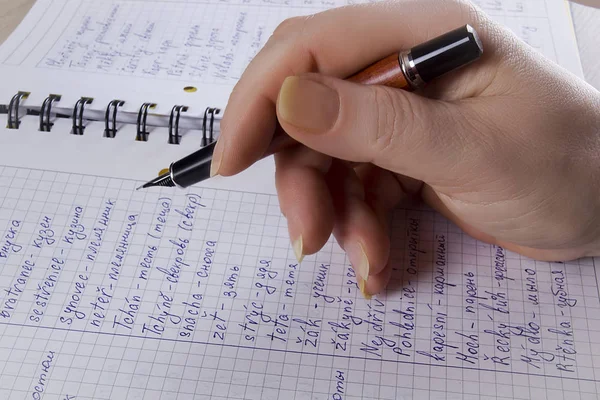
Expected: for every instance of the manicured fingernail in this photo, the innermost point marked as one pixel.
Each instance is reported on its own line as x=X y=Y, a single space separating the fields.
x=308 y=104
x=216 y=160
x=358 y=259
x=297 y=246
x=361 y=286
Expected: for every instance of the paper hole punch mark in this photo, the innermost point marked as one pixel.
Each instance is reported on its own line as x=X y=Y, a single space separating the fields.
x=190 y=89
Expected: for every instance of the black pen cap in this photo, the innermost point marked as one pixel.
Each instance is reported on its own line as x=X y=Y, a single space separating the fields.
x=445 y=53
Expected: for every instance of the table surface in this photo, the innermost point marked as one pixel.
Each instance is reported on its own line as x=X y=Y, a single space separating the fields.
x=586 y=21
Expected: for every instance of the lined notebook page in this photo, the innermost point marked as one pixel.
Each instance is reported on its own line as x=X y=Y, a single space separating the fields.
x=112 y=293
x=148 y=51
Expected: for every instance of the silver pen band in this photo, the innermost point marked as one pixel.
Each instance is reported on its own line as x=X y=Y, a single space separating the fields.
x=410 y=70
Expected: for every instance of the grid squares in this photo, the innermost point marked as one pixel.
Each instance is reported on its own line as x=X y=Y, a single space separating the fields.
x=156 y=366
x=231 y=351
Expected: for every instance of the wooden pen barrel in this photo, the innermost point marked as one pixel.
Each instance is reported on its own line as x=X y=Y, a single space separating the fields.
x=386 y=72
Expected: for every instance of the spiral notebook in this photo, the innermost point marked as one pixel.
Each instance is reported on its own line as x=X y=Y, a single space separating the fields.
x=111 y=293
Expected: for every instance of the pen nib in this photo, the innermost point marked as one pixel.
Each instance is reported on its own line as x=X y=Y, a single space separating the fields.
x=163 y=180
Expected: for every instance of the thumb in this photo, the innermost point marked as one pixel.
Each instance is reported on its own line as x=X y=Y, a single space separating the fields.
x=394 y=129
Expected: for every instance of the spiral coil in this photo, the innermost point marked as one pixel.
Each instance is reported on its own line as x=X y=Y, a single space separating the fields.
x=110 y=118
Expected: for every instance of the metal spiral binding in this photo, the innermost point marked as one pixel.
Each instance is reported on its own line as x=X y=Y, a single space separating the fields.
x=206 y=140
x=110 y=117
x=174 y=127
x=110 y=130
x=142 y=133
x=45 y=124
x=78 y=127
x=13 y=110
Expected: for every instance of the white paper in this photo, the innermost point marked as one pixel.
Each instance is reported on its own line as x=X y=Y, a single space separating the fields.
x=112 y=293
x=141 y=51
x=119 y=157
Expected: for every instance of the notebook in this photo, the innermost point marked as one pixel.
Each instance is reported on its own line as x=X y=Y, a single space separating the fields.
x=112 y=293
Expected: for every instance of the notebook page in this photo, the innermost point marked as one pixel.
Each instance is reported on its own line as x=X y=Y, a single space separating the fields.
x=119 y=157
x=513 y=328
x=112 y=293
x=149 y=51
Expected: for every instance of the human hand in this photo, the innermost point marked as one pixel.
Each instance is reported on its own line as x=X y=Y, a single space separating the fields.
x=506 y=148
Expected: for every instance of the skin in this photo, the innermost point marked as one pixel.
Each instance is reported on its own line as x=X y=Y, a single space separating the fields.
x=507 y=148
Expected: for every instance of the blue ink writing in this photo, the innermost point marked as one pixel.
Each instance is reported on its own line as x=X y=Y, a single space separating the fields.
x=207 y=260
x=14 y=292
x=231 y=280
x=559 y=290
x=9 y=245
x=173 y=273
x=46 y=364
x=188 y=211
x=340 y=380
x=100 y=304
x=74 y=300
x=45 y=236
x=76 y=229
x=440 y=266
x=121 y=250
x=45 y=289
x=157 y=326
x=147 y=261
x=532 y=287
x=127 y=312
x=500 y=270
x=161 y=218
x=190 y=318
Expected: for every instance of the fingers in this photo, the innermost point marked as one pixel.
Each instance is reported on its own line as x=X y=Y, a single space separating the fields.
x=361 y=214
x=383 y=192
x=393 y=129
x=376 y=283
x=320 y=43
x=357 y=228
x=319 y=198
x=304 y=198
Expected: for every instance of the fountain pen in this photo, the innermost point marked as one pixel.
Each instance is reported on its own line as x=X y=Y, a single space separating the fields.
x=407 y=70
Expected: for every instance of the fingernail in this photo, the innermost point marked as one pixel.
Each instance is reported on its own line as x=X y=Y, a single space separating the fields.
x=358 y=259
x=216 y=159
x=308 y=104
x=361 y=286
x=297 y=246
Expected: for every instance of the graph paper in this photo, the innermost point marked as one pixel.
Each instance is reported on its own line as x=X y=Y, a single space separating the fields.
x=112 y=293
